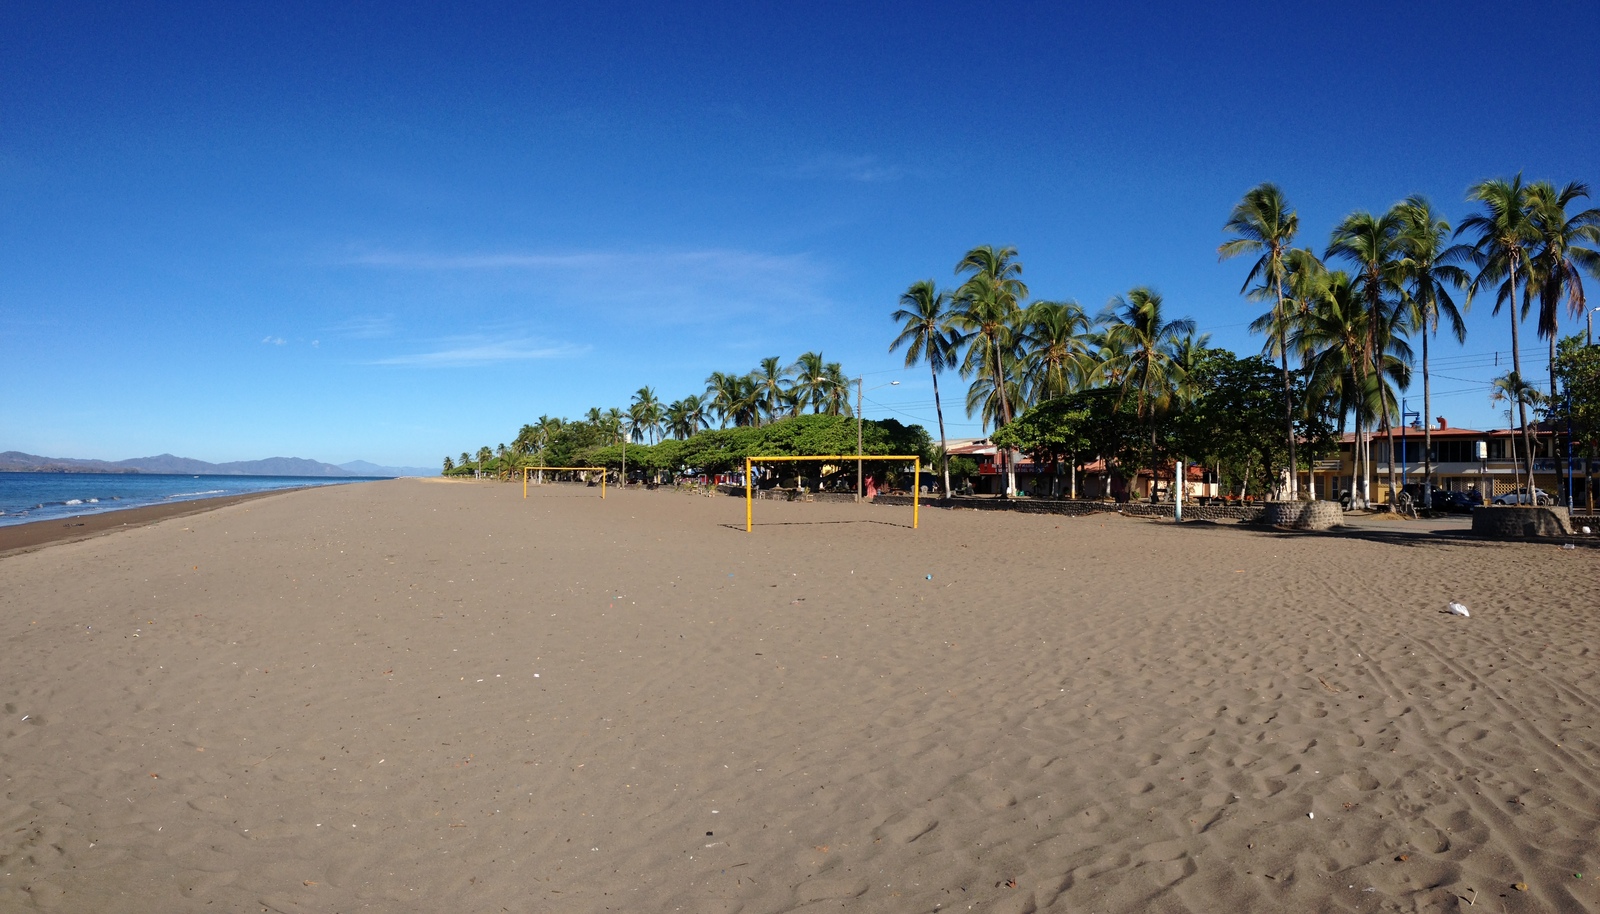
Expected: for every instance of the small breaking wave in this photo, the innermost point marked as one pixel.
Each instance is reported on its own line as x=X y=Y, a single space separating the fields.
x=197 y=494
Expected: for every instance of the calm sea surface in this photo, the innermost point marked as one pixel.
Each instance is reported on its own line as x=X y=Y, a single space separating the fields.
x=26 y=497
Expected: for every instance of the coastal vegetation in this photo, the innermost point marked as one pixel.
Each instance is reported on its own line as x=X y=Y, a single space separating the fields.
x=1137 y=387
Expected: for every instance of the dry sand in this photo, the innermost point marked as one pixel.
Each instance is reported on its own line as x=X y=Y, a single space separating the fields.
x=412 y=696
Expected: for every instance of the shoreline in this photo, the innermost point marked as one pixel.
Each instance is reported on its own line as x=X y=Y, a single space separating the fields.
x=20 y=538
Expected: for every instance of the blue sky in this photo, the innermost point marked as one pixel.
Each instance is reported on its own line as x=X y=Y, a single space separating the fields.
x=394 y=232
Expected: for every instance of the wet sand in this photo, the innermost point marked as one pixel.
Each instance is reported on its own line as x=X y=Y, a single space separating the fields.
x=421 y=696
x=35 y=534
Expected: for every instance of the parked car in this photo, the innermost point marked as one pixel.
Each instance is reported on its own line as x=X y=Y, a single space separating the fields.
x=1456 y=502
x=1520 y=497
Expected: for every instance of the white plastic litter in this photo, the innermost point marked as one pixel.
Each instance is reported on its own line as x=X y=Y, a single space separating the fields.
x=1456 y=609
x=1586 y=531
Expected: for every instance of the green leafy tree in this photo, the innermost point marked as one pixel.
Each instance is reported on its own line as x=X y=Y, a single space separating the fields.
x=1231 y=418
x=448 y=465
x=1578 y=371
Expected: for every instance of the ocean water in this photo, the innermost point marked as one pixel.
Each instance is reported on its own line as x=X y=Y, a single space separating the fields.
x=28 y=497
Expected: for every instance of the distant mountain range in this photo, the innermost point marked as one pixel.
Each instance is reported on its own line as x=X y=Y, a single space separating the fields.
x=18 y=462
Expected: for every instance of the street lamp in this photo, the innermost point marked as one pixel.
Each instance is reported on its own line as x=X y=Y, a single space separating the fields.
x=1590 y=317
x=861 y=492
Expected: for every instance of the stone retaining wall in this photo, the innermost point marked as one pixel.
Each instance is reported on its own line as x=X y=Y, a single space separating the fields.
x=1515 y=522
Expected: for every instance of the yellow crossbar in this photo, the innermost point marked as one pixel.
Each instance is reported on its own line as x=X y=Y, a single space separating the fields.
x=600 y=470
x=916 y=479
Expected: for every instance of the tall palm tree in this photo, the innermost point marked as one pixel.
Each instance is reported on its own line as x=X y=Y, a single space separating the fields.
x=1502 y=236
x=985 y=307
x=1332 y=339
x=1139 y=340
x=1510 y=388
x=836 y=400
x=485 y=454
x=526 y=441
x=646 y=413
x=685 y=417
x=984 y=396
x=1264 y=225
x=1556 y=269
x=1056 y=353
x=922 y=315
x=772 y=387
x=1430 y=269
x=1372 y=245
x=810 y=375
x=724 y=392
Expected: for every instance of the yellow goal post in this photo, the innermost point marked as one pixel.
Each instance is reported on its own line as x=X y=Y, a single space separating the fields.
x=916 y=478
x=601 y=470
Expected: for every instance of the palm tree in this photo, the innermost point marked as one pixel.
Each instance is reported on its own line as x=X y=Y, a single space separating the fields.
x=1372 y=244
x=685 y=417
x=1429 y=270
x=1139 y=340
x=646 y=414
x=772 y=387
x=984 y=398
x=466 y=459
x=1331 y=339
x=836 y=400
x=1502 y=236
x=985 y=306
x=1556 y=269
x=1510 y=388
x=1056 y=352
x=724 y=392
x=922 y=314
x=484 y=456
x=810 y=374
x=1264 y=225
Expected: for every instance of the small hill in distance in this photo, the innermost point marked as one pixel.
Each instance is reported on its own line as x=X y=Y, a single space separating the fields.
x=18 y=462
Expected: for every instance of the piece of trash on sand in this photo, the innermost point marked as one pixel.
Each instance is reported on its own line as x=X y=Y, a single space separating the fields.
x=1568 y=546
x=1456 y=609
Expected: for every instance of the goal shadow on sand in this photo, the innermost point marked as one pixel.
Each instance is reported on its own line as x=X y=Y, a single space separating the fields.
x=815 y=523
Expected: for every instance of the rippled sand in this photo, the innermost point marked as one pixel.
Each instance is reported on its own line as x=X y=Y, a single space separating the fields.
x=415 y=696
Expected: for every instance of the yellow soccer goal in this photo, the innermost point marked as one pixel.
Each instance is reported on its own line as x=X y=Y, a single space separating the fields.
x=916 y=478
x=601 y=470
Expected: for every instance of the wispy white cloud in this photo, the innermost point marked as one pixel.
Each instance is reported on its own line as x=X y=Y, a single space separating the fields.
x=664 y=286
x=270 y=340
x=461 y=352
x=866 y=169
x=364 y=327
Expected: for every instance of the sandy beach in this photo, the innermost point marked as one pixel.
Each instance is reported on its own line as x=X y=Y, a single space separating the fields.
x=438 y=696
